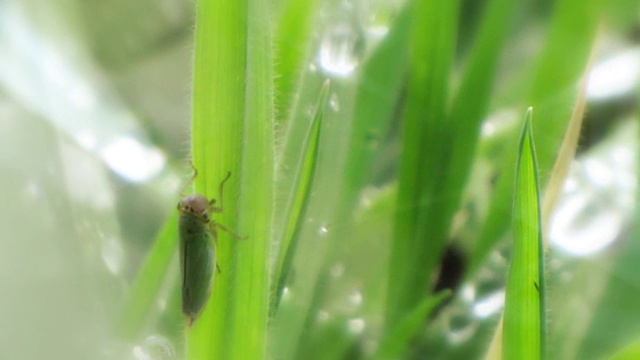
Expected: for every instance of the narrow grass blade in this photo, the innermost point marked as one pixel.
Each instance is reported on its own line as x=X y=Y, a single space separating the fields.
x=558 y=69
x=471 y=99
x=495 y=348
x=567 y=151
x=394 y=343
x=292 y=36
x=246 y=336
x=556 y=181
x=219 y=86
x=524 y=315
x=418 y=239
x=377 y=96
x=144 y=290
x=299 y=197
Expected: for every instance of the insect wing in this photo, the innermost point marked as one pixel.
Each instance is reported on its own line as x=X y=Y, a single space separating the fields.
x=197 y=261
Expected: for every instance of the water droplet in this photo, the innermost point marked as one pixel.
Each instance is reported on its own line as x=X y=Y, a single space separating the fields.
x=337 y=270
x=499 y=122
x=286 y=294
x=112 y=254
x=355 y=298
x=82 y=96
x=615 y=76
x=310 y=110
x=340 y=50
x=371 y=194
x=598 y=172
x=133 y=160
x=356 y=326
x=323 y=316
x=599 y=196
x=347 y=5
x=467 y=293
x=461 y=326
x=162 y=304
x=323 y=230
x=87 y=139
x=377 y=16
x=489 y=305
x=334 y=104
x=154 y=347
x=33 y=189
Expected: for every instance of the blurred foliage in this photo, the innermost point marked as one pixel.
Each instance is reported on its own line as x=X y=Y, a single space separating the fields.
x=412 y=187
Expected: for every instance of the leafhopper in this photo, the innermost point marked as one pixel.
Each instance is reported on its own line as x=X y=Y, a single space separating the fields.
x=198 y=235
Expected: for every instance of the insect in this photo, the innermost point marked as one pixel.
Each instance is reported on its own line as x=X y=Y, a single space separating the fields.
x=198 y=234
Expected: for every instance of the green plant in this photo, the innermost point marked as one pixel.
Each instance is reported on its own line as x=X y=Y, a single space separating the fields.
x=373 y=151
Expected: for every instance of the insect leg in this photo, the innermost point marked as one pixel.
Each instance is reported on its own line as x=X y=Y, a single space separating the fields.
x=190 y=182
x=230 y=232
x=212 y=202
x=214 y=235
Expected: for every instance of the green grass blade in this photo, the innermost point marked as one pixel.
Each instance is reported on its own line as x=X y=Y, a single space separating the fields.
x=558 y=69
x=377 y=94
x=292 y=38
x=218 y=112
x=249 y=312
x=395 y=342
x=294 y=324
x=418 y=241
x=556 y=181
x=524 y=315
x=472 y=98
x=144 y=290
x=299 y=197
